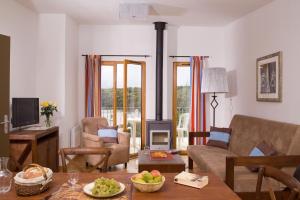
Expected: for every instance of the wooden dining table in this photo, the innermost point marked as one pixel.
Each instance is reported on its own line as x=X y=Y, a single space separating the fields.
x=215 y=190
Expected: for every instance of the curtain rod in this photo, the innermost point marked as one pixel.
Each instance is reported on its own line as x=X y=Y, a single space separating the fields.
x=185 y=56
x=122 y=55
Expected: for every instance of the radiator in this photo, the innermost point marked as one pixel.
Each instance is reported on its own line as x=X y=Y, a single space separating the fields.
x=75 y=136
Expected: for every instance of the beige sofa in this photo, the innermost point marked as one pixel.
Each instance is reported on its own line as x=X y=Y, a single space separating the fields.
x=120 y=151
x=247 y=132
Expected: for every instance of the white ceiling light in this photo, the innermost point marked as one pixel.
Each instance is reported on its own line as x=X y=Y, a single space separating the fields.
x=133 y=11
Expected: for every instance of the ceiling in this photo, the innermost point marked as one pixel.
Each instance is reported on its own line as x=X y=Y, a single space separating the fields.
x=175 y=12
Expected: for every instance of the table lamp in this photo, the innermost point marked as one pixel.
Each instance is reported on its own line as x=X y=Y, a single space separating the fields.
x=214 y=80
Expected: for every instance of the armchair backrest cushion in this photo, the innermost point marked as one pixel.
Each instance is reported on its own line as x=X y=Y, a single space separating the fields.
x=247 y=132
x=109 y=134
x=91 y=125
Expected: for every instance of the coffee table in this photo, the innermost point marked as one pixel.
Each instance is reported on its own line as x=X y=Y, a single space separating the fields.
x=175 y=165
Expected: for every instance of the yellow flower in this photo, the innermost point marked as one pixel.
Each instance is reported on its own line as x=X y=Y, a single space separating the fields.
x=45 y=104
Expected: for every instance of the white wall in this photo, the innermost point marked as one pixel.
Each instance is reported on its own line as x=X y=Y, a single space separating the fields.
x=275 y=27
x=21 y=25
x=51 y=59
x=57 y=69
x=71 y=73
x=51 y=66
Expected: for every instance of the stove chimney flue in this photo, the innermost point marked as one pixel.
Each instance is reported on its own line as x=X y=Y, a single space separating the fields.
x=159 y=27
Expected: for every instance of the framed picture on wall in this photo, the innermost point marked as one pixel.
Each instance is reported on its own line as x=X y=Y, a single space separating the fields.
x=269 y=78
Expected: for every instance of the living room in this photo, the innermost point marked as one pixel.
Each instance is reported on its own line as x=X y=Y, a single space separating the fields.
x=82 y=57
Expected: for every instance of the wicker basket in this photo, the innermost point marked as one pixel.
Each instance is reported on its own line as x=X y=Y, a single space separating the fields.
x=25 y=189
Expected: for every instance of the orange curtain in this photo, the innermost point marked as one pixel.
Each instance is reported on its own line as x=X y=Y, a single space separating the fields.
x=198 y=107
x=93 y=86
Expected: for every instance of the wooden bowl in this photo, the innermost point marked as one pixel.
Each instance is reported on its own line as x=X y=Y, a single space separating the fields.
x=148 y=187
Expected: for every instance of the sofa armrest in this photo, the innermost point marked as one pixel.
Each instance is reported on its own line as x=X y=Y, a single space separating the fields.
x=275 y=161
x=90 y=140
x=124 y=138
x=193 y=135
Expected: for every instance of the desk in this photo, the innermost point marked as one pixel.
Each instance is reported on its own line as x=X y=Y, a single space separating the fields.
x=215 y=190
x=39 y=147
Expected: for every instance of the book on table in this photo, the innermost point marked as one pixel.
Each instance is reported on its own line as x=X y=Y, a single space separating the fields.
x=192 y=180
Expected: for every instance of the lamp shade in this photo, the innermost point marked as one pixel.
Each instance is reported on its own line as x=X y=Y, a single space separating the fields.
x=214 y=80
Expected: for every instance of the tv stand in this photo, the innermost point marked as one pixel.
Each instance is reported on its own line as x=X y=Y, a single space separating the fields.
x=34 y=146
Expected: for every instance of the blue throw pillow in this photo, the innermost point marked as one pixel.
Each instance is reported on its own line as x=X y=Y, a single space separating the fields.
x=262 y=149
x=108 y=134
x=219 y=137
x=256 y=152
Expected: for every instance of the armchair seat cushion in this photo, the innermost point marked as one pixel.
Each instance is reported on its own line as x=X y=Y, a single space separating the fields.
x=213 y=159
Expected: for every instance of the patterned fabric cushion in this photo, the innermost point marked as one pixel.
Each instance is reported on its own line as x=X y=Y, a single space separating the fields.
x=262 y=149
x=109 y=134
x=219 y=137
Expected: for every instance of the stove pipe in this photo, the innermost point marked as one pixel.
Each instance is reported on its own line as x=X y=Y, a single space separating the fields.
x=159 y=27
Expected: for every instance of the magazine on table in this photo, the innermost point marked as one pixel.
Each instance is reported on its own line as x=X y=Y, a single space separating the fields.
x=192 y=180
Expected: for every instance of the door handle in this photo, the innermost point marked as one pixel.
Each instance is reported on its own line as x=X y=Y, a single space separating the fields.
x=6 y=121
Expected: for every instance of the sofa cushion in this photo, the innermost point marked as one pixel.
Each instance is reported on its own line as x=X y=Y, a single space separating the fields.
x=210 y=158
x=219 y=137
x=262 y=149
x=213 y=159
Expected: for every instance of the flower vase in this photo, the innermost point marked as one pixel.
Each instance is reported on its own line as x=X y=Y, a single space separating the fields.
x=48 y=121
x=6 y=176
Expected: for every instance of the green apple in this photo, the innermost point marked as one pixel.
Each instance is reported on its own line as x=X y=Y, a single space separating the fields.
x=147 y=176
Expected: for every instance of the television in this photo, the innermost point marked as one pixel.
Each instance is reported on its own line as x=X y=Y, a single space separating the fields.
x=25 y=111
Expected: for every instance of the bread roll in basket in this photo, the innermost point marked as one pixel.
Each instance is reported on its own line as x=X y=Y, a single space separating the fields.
x=34 y=179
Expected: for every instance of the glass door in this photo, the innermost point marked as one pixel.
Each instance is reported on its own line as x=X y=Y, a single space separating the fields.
x=134 y=101
x=181 y=104
x=125 y=79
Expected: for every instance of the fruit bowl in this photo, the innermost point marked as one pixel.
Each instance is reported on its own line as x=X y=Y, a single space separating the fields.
x=149 y=185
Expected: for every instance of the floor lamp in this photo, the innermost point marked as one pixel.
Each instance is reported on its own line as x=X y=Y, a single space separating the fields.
x=214 y=80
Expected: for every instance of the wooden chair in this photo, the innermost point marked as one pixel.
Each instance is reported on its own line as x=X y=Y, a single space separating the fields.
x=271 y=172
x=105 y=152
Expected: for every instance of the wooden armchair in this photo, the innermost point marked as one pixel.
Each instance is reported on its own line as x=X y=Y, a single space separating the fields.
x=270 y=172
x=103 y=152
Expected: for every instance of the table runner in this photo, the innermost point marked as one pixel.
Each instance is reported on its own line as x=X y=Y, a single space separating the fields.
x=65 y=192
